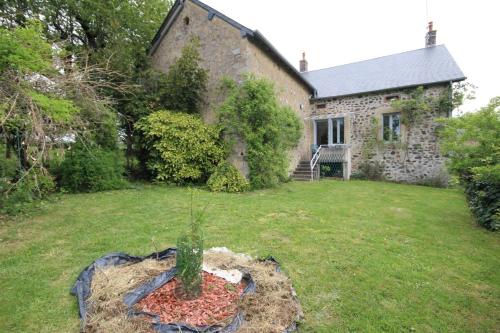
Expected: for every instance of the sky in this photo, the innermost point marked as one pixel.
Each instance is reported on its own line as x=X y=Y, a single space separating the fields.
x=336 y=32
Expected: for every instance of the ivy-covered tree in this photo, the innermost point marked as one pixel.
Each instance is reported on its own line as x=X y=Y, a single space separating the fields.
x=252 y=113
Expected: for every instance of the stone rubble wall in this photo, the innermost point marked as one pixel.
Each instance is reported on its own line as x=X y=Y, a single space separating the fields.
x=423 y=159
x=225 y=53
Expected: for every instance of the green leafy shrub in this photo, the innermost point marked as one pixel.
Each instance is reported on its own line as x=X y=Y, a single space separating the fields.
x=189 y=258
x=472 y=145
x=226 y=178
x=252 y=113
x=179 y=147
x=30 y=187
x=91 y=169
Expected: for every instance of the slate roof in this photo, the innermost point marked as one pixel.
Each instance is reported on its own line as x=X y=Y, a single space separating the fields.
x=425 y=66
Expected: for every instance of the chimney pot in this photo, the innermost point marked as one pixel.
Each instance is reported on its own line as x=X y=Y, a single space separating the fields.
x=430 y=36
x=303 y=63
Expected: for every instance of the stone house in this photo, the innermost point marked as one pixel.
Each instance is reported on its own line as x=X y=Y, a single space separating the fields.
x=339 y=105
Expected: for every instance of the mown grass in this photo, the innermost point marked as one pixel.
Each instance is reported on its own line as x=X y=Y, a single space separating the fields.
x=363 y=256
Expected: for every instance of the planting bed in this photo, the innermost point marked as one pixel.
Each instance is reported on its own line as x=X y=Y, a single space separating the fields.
x=137 y=294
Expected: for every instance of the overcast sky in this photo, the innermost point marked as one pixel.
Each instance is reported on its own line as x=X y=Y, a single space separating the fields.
x=336 y=32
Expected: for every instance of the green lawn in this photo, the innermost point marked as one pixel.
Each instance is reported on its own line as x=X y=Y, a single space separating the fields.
x=363 y=256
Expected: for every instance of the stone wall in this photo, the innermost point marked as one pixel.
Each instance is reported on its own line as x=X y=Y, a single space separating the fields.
x=415 y=160
x=222 y=50
x=290 y=92
x=225 y=53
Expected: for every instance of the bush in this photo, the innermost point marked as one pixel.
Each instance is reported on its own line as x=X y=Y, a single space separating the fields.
x=252 y=113
x=372 y=170
x=440 y=180
x=226 y=178
x=179 y=147
x=90 y=169
x=482 y=188
x=472 y=144
x=32 y=186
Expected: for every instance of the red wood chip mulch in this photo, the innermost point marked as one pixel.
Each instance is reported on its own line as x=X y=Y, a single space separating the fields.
x=218 y=302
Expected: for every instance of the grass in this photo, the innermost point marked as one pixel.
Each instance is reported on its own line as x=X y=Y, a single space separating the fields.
x=363 y=256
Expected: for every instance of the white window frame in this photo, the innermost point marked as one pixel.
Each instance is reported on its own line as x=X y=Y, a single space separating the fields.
x=330 y=130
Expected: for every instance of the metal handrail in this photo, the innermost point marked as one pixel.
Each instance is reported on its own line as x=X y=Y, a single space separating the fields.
x=317 y=155
x=315 y=160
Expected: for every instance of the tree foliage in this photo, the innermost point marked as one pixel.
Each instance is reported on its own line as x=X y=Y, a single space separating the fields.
x=44 y=105
x=473 y=139
x=186 y=81
x=180 y=147
x=252 y=113
x=472 y=144
x=114 y=35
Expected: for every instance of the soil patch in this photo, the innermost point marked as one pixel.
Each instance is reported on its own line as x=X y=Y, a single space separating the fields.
x=217 y=303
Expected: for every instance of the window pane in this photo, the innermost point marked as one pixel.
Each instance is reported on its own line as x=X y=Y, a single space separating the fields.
x=335 y=131
x=322 y=132
x=341 y=126
x=396 y=127
x=387 y=128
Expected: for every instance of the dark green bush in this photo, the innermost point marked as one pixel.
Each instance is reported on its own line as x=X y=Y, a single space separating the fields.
x=482 y=188
x=226 y=178
x=90 y=169
x=179 y=147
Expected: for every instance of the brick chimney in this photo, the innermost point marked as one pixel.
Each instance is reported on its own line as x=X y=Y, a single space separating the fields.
x=303 y=63
x=430 y=36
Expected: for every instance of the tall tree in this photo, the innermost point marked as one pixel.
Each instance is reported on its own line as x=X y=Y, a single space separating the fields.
x=113 y=34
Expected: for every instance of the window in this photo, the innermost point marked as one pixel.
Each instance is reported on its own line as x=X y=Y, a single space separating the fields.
x=320 y=106
x=391 y=98
x=338 y=131
x=329 y=131
x=392 y=127
x=321 y=132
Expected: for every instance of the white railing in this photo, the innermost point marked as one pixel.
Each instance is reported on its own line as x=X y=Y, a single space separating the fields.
x=315 y=160
x=333 y=153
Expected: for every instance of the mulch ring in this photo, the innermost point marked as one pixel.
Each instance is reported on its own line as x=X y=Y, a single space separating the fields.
x=217 y=303
x=272 y=308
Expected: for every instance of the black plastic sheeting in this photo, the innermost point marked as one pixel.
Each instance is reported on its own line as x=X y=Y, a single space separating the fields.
x=82 y=290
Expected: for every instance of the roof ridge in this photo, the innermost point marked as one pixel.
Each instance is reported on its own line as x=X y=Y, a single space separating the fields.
x=370 y=59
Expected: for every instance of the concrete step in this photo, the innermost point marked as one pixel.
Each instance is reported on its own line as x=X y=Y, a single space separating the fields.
x=302 y=172
x=305 y=172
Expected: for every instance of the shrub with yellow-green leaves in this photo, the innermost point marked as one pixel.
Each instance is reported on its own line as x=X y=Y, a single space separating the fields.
x=179 y=147
x=226 y=178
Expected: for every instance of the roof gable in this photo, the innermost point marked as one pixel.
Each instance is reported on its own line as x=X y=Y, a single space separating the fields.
x=425 y=66
x=253 y=36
